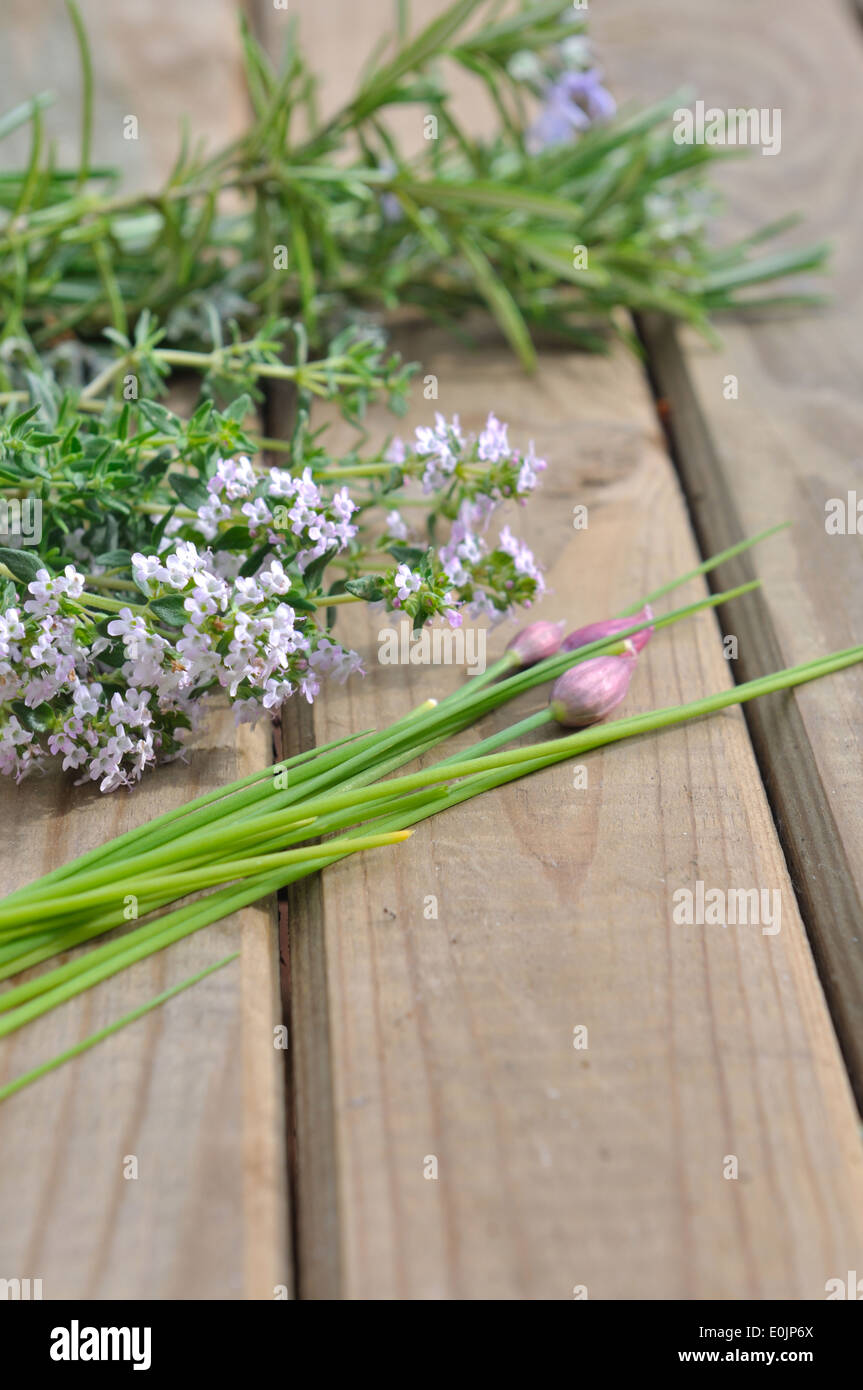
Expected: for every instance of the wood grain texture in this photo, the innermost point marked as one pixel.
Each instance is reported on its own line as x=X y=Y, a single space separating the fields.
x=453 y=1037
x=791 y=441
x=193 y=1090
x=154 y=60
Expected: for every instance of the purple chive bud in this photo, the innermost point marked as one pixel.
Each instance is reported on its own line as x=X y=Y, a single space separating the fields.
x=589 y=691
x=594 y=631
x=535 y=642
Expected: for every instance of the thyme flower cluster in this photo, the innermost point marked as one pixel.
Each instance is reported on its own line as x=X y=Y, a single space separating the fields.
x=232 y=596
x=477 y=474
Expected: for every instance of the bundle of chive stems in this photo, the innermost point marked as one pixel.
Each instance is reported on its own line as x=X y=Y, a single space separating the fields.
x=242 y=842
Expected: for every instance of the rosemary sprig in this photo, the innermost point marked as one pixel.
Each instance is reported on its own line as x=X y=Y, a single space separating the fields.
x=465 y=222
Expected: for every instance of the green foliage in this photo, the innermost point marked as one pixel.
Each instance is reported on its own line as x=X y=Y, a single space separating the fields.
x=105 y=468
x=468 y=221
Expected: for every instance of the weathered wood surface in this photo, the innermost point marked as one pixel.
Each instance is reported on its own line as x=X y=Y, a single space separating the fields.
x=155 y=61
x=453 y=1037
x=193 y=1091
x=791 y=441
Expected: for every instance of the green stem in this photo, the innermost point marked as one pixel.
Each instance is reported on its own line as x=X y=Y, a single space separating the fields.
x=359 y=470
x=335 y=599
x=104 y=581
x=111 y=605
x=166 y=823
x=86 y=1043
x=178 y=885
x=712 y=563
x=480 y=774
x=399 y=743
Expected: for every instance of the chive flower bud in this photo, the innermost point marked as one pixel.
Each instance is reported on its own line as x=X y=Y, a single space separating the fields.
x=588 y=692
x=536 y=642
x=594 y=631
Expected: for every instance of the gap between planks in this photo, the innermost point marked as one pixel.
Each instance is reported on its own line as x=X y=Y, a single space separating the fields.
x=817 y=853
x=791 y=439
x=632 y=1204
x=453 y=1037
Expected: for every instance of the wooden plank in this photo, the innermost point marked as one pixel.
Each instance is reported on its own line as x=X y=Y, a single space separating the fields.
x=156 y=62
x=195 y=1090
x=192 y=1091
x=791 y=440
x=453 y=1037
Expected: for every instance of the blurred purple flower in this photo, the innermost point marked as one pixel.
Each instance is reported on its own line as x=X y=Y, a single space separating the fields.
x=390 y=205
x=573 y=103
